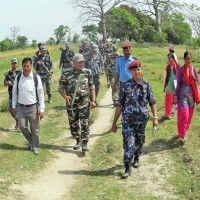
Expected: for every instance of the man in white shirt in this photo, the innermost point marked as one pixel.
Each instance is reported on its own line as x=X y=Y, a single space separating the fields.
x=28 y=102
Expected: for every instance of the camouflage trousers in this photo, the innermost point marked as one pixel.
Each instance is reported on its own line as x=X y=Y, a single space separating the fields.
x=133 y=140
x=96 y=79
x=46 y=79
x=78 y=116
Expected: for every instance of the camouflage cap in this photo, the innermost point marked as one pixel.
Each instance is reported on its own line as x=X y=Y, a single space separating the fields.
x=95 y=47
x=14 y=60
x=43 y=48
x=78 y=58
x=67 y=44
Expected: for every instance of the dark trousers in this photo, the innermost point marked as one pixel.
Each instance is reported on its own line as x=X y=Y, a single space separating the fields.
x=133 y=140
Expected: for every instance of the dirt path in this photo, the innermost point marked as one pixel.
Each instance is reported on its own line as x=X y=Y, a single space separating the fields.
x=56 y=181
x=53 y=183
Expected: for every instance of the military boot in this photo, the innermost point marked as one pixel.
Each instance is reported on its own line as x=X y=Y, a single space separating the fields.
x=136 y=163
x=78 y=144
x=84 y=146
x=127 y=172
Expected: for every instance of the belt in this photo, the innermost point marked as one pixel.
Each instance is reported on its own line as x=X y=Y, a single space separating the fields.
x=29 y=105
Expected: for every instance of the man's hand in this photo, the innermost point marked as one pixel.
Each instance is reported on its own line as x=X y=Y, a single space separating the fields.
x=92 y=104
x=41 y=114
x=114 y=128
x=155 y=122
x=9 y=83
x=68 y=99
x=14 y=111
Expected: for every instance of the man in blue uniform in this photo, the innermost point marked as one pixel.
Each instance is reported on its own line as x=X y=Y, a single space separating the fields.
x=134 y=96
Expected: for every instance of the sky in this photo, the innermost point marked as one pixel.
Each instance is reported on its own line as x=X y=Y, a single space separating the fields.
x=37 y=19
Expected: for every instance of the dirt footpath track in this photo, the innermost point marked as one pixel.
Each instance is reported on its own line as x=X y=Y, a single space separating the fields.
x=55 y=182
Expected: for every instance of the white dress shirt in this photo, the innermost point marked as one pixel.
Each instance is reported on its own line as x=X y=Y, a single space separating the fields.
x=26 y=92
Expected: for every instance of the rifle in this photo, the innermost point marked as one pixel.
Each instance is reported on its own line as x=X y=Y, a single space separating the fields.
x=9 y=77
x=35 y=56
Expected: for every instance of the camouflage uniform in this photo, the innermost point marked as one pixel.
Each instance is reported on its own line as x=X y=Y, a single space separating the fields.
x=10 y=74
x=83 y=50
x=43 y=73
x=109 y=67
x=80 y=109
x=65 y=59
x=94 y=63
x=133 y=99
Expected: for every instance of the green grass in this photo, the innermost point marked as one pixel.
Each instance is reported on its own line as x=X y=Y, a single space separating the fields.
x=102 y=176
x=102 y=180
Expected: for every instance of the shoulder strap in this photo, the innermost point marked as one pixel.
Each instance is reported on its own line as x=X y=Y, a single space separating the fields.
x=35 y=81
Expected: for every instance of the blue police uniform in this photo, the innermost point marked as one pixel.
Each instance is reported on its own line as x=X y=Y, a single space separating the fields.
x=133 y=100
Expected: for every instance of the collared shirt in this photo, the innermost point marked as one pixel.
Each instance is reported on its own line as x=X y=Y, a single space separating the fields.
x=121 y=67
x=133 y=100
x=27 y=93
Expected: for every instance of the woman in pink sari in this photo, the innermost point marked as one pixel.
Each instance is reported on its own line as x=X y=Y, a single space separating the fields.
x=186 y=95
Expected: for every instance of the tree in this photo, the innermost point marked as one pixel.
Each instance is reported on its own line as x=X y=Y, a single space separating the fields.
x=91 y=31
x=6 y=44
x=178 y=31
x=153 y=8
x=22 y=41
x=14 y=32
x=60 y=33
x=51 y=41
x=34 y=43
x=95 y=10
x=192 y=14
x=76 y=37
x=121 y=24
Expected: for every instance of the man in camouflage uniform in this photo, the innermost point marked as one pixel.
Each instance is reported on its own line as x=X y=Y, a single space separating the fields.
x=9 y=81
x=94 y=62
x=83 y=49
x=66 y=58
x=77 y=88
x=109 y=67
x=134 y=96
x=44 y=68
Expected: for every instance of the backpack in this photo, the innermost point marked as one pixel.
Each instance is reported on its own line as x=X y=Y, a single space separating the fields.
x=35 y=81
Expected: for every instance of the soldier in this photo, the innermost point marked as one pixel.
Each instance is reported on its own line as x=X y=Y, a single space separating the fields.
x=77 y=88
x=84 y=48
x=44 y=68
x=100 y=46
x=109 y=66
x=94 y=62
x=9 y=81
x=134 y=96
x=66 y=57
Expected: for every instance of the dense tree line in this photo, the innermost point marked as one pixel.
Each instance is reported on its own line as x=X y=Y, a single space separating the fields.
x=159 y=22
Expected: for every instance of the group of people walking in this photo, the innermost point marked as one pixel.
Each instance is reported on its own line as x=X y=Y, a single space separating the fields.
x=79 y=86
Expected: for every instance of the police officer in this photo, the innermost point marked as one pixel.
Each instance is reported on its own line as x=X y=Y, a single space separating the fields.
x=109 y=67
x=94 y=62
x=66 y=58
x=44 y=68
x=9 y=81
x=122 y=73
x=134 y=96
x=77 y=88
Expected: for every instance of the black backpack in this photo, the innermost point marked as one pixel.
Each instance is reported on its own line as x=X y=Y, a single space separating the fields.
x=35 y=81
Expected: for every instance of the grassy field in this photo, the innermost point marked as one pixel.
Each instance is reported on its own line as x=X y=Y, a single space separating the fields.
x=18 y=165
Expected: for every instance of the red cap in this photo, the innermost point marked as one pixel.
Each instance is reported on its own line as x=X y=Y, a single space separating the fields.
x=135 y=64
x=126 y=46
